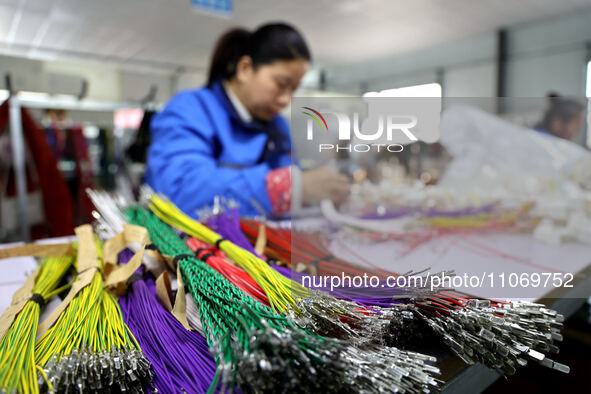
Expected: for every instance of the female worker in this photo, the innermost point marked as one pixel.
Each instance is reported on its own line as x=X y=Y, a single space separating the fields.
x=228 y=139
x=563 y=119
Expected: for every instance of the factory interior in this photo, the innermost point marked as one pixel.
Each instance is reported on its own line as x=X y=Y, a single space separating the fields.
x=263 y=196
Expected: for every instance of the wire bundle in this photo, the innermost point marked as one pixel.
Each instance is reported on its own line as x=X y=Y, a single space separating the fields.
x=310 y=252
x=320 y=312
x=258 y=349
x=17 y=348
x=225 y=220
x=480 y=221
x=262 y=351
x=501 y=335
x=424 y=225
x=180 y=358
x=315 y=310
x=215 y=259
x=280 y=290
x=163 y=339
x=333 y=323
x=89 y=347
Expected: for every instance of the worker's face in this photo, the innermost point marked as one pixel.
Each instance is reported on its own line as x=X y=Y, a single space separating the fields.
x=268 y=88
x=568 y=130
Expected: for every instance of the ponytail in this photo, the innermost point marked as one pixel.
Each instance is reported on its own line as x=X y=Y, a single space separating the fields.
x=267 y=44
x=230 y=47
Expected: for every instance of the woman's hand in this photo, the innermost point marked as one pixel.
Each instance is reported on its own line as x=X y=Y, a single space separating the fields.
x=322 y=184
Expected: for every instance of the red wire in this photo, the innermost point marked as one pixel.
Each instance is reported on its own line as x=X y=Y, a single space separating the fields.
x=311 y=247
x=234 y=274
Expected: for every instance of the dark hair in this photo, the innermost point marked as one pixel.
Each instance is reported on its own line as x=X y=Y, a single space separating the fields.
x=267 y=44
x=559 y=107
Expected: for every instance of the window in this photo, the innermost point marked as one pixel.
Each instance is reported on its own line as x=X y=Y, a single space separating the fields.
x=588 y=95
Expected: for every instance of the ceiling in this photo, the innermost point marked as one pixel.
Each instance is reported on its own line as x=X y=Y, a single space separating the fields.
x=169 y=34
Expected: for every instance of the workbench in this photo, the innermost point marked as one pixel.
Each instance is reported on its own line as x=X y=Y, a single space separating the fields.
x=521 y=253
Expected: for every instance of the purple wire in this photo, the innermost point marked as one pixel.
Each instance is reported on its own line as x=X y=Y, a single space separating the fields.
x=463 y=212
x=431 y=213
x=285 y=271
x=380 y=295
x=227 y=224
x=180 y=358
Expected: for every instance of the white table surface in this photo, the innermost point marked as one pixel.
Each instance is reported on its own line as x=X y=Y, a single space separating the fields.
x=473 y=254
x=14 y=271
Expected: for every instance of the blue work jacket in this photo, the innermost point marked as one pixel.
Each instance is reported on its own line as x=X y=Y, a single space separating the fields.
x=201 y=148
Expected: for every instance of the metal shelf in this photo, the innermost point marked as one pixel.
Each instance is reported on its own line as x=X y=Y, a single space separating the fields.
x=19 y=101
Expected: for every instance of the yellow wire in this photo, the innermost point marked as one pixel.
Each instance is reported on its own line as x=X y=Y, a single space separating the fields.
x=280 y=290
x=475 y=221
x=17 y=347
x=91 y=320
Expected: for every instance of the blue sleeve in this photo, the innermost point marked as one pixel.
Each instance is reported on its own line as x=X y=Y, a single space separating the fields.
x=289 y=158
x=181 y=162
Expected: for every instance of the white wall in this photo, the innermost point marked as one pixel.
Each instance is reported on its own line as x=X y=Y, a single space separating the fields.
x=473 y=57
x=135 y=86
x=26 y=74
x=105 y=82
x=477 y=80
x=189 y=81
x=549 y=55
x=543 y=56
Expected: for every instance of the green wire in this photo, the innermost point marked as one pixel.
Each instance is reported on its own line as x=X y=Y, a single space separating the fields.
x=17 y=347
x=224 y=309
